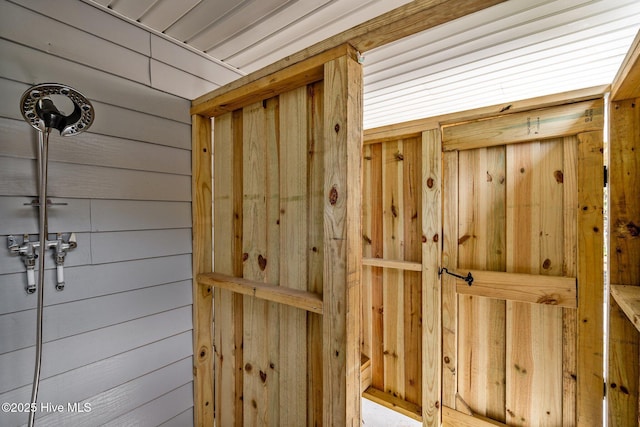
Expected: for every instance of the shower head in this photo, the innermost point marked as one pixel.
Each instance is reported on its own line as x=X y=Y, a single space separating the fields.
x=39 y=111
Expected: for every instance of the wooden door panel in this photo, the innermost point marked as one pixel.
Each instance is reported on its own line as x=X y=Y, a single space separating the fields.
x=513 y=229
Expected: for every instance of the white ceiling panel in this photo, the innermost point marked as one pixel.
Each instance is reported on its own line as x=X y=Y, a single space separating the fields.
x=515 y=50
x=166 y=12
x=240 y=20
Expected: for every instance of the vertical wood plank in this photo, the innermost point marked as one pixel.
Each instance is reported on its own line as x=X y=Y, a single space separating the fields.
x=624 y=219
x=482 y=246
x=228 y=406
x=590 y=279
x=238 y=300
x=202 y=249
x=294 y=263
x=412 y=304
x=254 y=242
x=534 y=357
x=270 y=375
x=449 y=297
x=315 y=171
x=377 y=251
x=570 y=249
x=367 y=189
x=393 y=280
x=343 y=241
x=431 y=184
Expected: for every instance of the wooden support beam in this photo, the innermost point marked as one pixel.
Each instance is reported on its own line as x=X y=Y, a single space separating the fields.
x=202 y=295
x=290 y=297
x=342 y=242
x=626 y=84
x=531 y=288
x=409 y=19
x=230 y=98
x=527 y=126
x=590 y=279
x=390 y=263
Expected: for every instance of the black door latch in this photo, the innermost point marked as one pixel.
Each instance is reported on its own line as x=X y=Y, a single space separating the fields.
x=468 y=278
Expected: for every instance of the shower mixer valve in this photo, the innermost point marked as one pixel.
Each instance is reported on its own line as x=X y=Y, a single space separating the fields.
x=26 y=249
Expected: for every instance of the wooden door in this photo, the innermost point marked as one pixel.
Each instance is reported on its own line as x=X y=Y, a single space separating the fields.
x=522 y=212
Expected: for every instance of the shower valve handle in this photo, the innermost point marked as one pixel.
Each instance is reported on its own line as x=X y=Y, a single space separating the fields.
x=27 y=251
x=63 y=244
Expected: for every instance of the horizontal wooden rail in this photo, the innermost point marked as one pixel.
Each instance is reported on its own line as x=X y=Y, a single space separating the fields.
x=308 y=301
x=531 y=288
x=552 y=122
x=628 y=298
x=453 y=418
x=389 y=263
x=390 y=401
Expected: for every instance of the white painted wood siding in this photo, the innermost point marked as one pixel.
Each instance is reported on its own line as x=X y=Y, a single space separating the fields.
x=119 y=337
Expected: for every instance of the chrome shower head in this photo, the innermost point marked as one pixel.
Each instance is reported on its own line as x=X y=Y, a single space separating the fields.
x=39 y=111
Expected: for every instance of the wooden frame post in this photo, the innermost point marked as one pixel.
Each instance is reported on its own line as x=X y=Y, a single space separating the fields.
x=342 y=241
x=202 y=255
x=590 y=279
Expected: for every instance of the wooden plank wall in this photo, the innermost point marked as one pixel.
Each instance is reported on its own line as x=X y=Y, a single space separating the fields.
x=392 y=297
x=531 y=207
x=120 y=335
x=624 y=258
x=624 y=244
x=284 y=217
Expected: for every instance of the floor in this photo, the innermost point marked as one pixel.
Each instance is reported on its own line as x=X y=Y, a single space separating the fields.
x=374 y=415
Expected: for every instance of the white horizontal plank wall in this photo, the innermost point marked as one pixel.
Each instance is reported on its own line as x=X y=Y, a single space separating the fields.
x=119 y=337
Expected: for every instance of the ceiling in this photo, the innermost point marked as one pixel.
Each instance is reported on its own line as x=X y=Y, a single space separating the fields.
x=515 y=50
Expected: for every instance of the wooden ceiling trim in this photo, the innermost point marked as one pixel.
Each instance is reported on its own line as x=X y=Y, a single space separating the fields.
x=401 y=22
x=294 y=76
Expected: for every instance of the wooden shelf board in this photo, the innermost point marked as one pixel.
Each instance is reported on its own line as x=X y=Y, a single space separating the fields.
x=628 y=298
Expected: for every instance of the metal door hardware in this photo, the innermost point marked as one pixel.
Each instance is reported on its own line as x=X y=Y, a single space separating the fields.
x=468 y=278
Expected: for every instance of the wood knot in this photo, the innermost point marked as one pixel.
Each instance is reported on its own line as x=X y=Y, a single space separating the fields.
x=548 y=300
x=489 y=177
x=559 y=176
x=399 y=156
x=430 y=182
x=447 y=360
x=435 y=238
x=546 y=264
x=263 y=376
x=366 y=239
x=248 y=367
x=333 y=195
x=245 y=256
x=424 y=239
x=336 y=128
x=262 y=262
x=394 y=211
